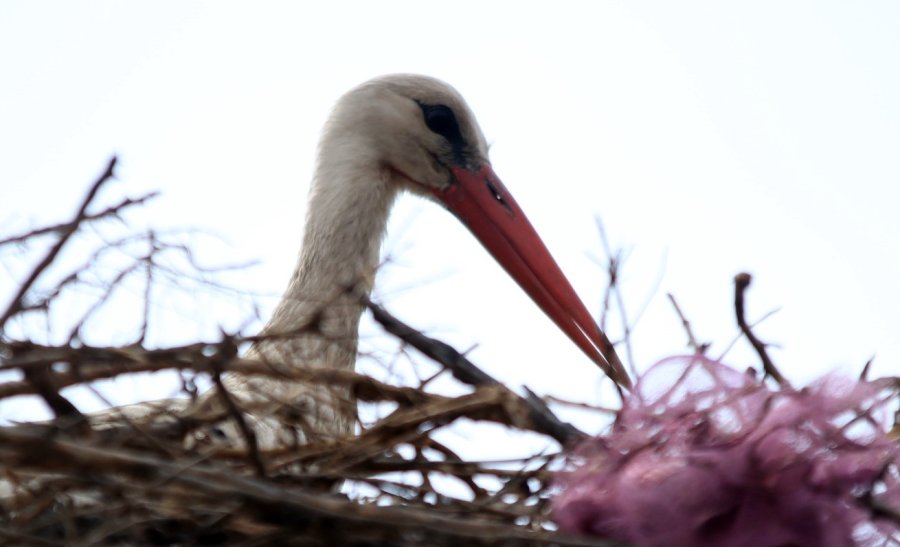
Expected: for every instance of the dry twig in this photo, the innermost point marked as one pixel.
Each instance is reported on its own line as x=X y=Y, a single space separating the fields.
x=65 y=233
x=692 y=340
x=741 y=282
x=465 y=371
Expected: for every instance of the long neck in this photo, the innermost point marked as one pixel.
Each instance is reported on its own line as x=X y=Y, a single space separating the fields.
x=348 y=208
x=315 y=325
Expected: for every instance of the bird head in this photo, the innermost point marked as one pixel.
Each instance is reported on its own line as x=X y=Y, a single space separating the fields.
x=424 y=138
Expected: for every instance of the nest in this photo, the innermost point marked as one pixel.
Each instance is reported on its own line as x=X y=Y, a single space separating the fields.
x=128 y=477
x=131 y=480
x=142 y=476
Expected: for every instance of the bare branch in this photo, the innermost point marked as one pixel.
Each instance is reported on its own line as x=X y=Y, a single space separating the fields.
x=692 y=340
x=614 y=291
x=65 y=234
x=233 y=411
x=466 y=371
x=60 y=229
x=741 y=282
x=42 y=382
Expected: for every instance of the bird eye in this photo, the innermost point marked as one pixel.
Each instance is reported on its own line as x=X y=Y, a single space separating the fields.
x=440 y=119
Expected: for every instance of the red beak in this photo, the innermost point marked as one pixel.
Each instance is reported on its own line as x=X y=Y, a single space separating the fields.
x=484 y=205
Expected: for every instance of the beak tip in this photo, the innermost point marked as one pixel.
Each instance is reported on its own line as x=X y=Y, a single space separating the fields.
x=617 y=373
x=483 y=204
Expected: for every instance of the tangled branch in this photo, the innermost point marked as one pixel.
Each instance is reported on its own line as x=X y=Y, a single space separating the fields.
x=155 y=472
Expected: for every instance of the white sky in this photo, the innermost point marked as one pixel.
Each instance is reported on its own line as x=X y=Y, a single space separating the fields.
x=710 y=138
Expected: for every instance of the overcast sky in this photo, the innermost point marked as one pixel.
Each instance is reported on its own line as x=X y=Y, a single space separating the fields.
x=710 y=137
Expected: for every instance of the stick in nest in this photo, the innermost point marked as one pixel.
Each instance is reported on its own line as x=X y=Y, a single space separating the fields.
x=741 y=282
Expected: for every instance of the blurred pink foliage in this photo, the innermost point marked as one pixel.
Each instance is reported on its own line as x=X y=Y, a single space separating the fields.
x=702 y=454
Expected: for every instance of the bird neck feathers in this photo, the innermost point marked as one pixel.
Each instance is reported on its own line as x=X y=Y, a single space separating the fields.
x=349 y=203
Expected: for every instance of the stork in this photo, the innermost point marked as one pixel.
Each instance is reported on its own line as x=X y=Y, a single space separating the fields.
x=391 y=134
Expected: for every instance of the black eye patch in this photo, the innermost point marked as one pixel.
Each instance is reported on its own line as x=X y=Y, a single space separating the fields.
x=440 y=119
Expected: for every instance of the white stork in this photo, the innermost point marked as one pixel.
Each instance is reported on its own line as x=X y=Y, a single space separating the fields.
x=392 y=134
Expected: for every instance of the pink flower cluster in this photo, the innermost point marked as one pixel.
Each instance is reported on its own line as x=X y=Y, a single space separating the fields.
x=702 y=454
